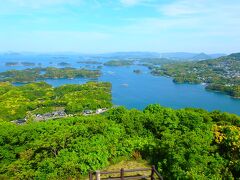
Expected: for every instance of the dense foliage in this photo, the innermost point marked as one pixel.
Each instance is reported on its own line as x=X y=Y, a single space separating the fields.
x=16 y=102
x=184 y=144
x=33 y=74
x=222 y=74
x=57 y=73
x=60 y=149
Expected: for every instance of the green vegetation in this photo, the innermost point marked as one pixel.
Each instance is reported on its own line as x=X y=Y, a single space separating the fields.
x=119 y=63
x=31 y=75
x=222 y=74
x=24 y=76
x=70 y=73
x=39 y=98
x=184 y=144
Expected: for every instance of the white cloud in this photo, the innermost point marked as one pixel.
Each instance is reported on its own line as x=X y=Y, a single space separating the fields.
x=183 y=7
x=213 y=17
x=199 y=7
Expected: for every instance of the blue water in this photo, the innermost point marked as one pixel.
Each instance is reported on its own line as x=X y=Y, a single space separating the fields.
x=138 y=90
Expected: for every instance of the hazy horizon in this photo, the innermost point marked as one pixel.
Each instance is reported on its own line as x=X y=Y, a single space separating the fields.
x=107 y=53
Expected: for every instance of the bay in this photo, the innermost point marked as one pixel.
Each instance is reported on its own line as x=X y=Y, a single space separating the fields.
x=137 y=90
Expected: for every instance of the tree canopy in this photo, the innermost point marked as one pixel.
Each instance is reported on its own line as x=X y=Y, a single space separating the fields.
x=184 y=144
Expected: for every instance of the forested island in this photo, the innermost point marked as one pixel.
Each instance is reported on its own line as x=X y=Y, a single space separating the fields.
x=18 y=102
x=89 y=62
x=137 y=71
x=22 y=63
x=64 y=64
x=221 y=74
x=119 y=63
x=33 y=74
x=28 y=63
x=11 y=63
x=156 y=61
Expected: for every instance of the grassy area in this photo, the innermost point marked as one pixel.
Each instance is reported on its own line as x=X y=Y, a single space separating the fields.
x=127 y=164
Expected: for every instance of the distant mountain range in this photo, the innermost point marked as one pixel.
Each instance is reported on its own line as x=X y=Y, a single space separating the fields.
x=127 y=55
x=174 y=55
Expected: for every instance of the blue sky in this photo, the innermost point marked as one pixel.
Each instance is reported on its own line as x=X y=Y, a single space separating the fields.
x=96 y=26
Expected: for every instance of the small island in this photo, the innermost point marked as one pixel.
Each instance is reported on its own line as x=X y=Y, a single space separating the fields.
x=89 y=62
x=137 y=71
x=11 y=64
x=156 y=61
x=34 y=74
x=64 y=64
x=70 y=73
x=28 y=64
x=20 y=64
x=119 y=63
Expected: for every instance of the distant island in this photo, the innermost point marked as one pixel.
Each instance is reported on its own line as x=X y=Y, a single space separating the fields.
x=119 y=63
x=34 y=74
x=137 y=71
x=156 y=61
x=11 y=63
x=64 y=64
x=60 y=57
x=28 y=63
x=89 y=62
x=221 y=74
x=21 y=63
